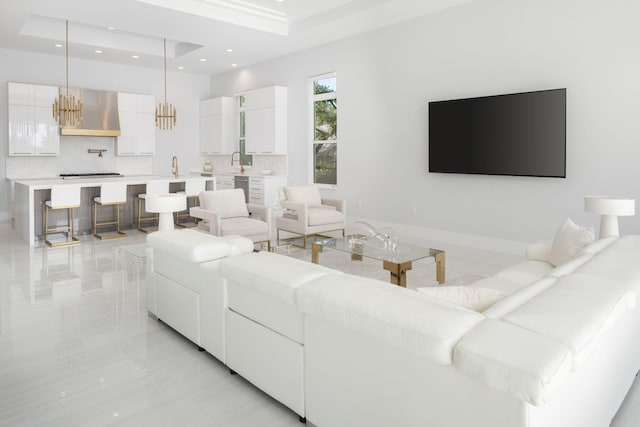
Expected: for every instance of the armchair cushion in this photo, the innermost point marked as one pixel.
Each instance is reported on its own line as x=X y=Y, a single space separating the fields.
x=304 y=194
x=226 y=203
x=319 y=216
x=243 y=226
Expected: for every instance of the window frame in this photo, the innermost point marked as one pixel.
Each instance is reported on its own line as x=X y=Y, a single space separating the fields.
x=247 y=159
x=313 y=98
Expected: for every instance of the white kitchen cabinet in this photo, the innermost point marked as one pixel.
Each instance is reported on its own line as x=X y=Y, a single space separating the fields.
x=137 y=125
x=266 y=120
x=224 y=182
x=265 y=190
x=32 y=129
x=216 y=126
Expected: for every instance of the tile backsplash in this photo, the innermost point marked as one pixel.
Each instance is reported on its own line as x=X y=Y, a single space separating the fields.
x=74 y=158
x=275 y=163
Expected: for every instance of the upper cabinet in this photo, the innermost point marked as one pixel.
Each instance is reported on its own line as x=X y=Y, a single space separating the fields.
x=216 y=126
x=137 y=125
x=33 y=131
x=265 y=120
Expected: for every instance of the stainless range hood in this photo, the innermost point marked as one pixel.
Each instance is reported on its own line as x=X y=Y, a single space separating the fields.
x=99 y=113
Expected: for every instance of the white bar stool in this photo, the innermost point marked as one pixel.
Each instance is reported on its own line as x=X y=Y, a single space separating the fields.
x=111 y=194
x=62 y=197
x=192 y=189
x=154 y=188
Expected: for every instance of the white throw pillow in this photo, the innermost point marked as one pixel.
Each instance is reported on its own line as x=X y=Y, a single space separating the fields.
x=477 y=299
x=305 y=194
x=569 y=240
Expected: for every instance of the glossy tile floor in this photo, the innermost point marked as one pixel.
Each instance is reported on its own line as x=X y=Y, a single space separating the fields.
x=78 y=349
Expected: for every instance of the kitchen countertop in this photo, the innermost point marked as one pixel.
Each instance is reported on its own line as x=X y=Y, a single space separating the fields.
x=46 y=183
x=246 y=173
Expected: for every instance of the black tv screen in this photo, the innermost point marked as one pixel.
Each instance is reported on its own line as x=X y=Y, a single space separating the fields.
x=522 y=134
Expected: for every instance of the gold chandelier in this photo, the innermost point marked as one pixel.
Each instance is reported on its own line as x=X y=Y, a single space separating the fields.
x=165 y=113
x=67 y=110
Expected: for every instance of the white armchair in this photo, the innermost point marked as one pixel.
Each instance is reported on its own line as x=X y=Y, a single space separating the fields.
x=307 y=214
x=224 y=212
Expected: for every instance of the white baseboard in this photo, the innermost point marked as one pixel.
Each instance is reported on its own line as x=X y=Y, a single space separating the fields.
x=413 y=234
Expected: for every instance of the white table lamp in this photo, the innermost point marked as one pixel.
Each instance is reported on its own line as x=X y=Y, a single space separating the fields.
x=610 y=208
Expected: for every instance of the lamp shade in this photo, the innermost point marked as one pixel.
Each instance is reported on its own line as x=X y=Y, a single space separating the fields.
x=618 y=206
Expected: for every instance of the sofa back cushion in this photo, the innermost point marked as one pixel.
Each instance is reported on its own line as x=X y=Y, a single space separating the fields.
x=226 y=203
x=189 y=245
x=305 y=194
x=476 y=299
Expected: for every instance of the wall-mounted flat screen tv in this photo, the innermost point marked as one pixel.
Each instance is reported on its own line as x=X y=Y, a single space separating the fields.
x=522 y=134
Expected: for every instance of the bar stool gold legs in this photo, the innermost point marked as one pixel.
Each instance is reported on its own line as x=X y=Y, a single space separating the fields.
x=71 y=240
x=62 y=197
x=192 y=189
x=142 y=219
x=97 y=224
x=179 y=215
x=153 y=188
x=111 y=194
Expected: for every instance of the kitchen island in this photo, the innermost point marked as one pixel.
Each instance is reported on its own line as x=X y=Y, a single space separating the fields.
x=30 y=195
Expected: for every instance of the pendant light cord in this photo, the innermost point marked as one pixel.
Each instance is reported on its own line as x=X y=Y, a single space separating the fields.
x=67 y=58
x=165 y=70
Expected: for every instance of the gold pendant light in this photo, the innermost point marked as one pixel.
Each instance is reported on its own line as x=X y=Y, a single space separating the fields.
x=67 y=110
x=165 y=113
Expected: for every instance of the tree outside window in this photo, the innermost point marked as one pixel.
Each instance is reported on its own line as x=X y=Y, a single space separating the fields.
x=325 y=129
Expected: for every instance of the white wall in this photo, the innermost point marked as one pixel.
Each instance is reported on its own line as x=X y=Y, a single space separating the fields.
x=184 y=90
x=386 y=79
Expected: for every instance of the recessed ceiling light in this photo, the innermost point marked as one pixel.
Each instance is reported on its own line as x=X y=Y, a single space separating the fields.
x=234 y=65
x=203 y=59
x=180 y=67
x=229 y=50
x=98 y=51
x=135 y=56
x=57 y=45
x=111 y=28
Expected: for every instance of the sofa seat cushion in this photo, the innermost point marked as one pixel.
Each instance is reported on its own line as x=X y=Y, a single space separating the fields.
x=573 y=311
x=320 y=216
x=515 y=277
x=476 y=299
x=271 y=274
x=619 y=269
x=189 y=245
x=244 y=226
x=514 y=360
x=389 y=314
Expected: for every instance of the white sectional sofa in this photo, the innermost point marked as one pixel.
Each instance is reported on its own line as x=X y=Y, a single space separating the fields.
x=561 y=348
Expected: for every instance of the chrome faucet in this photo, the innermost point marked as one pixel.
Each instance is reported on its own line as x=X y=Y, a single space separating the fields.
x=239 y=160
x=174 y=166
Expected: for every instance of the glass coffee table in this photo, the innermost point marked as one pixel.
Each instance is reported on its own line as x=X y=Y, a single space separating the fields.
x=397 y=261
